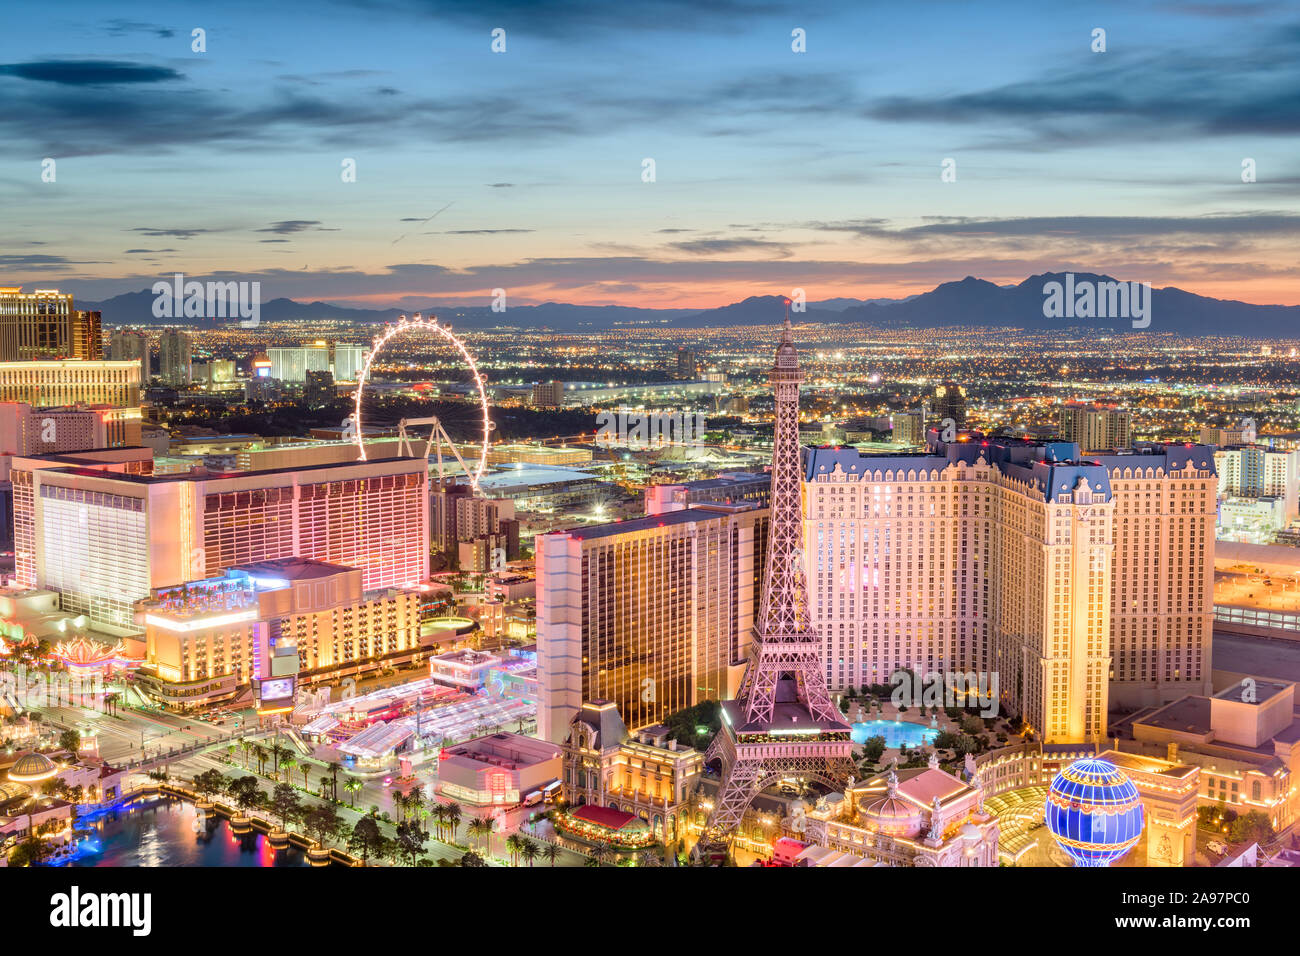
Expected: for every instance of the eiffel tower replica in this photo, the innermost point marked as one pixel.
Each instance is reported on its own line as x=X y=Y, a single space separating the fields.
x=783 y=723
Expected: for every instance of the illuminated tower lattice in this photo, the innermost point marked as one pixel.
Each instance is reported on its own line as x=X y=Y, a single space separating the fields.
x=783 y=723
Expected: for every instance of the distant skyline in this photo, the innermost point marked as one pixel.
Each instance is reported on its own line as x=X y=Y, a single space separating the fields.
x=523 y=170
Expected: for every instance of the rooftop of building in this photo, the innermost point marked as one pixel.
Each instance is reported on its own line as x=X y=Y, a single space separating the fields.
x=147 y=480
x=290 y=569
x=1264 y=691
x=649 y=523
x=504 y=750
x=1145 y=764
x=521 y=474
x=1189 y=714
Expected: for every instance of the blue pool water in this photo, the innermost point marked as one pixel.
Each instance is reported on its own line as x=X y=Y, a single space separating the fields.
x=897 y=733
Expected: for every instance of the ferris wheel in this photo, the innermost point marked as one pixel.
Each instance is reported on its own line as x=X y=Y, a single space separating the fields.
x=438 y=437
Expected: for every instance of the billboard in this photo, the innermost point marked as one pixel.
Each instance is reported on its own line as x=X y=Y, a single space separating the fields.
x=276 y=695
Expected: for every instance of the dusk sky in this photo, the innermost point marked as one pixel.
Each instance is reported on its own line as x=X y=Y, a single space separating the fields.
x=774 y=169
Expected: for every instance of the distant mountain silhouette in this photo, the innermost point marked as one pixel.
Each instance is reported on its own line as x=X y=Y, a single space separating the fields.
x=974 y=302
x=971 y=302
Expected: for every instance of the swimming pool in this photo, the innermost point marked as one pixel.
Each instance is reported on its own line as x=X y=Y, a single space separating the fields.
x=897 y=733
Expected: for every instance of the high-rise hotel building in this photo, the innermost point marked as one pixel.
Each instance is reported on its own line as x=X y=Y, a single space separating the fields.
x=72 y=382
x=652 y=614
x=104 y=540
x=1077 y=580
x=1253 y=471
x=176 y=357
x=43 y=324
x=205 y=638
x=125 y=345
x=1095 y=427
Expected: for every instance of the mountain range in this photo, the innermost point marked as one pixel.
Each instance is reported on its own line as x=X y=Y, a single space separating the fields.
x=970 y=302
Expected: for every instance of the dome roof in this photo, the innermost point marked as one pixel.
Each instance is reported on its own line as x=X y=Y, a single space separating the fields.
x=1094 y=811
x=891 y=811
x=32 y=767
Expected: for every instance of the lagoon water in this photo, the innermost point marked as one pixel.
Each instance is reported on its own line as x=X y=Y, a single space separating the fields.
x=163 y=831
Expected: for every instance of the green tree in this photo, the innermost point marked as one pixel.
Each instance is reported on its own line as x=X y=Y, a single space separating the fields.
x=70 y=740
x=285 y=804
x=411 y=840
x=32 y=851
x=873 y=748
x=352 y=786
x=209 y=782
x=366 y=839
x=245 y=792
x=550 y=851
x=1252 y=827
x=323 y=823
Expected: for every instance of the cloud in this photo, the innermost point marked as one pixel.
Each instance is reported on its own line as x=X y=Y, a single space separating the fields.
x=89 y=72
x=117 y=28
x=1260 y=223
x=566 y=19
x=173 y=233
x=500 y=185
x=1176 y=92
x=482 y=232
x=289 y=226
x=13 y=261
x=713 y=247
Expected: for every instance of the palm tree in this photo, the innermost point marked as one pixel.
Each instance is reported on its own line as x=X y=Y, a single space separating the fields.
x=514 y=845
x=438 y=812
x=246 y=746
x=453 y=819
x=353 y=786
x=277 y=754
x=305 y=767
x=529 y=850
x=260 y=753
x=480 y=826
x=324 y=782
x=334 y=768
x=550 y=851
x=287 y=763
x=599 y=853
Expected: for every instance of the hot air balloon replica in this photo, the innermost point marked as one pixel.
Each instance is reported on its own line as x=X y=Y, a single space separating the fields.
x=1094 y=812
